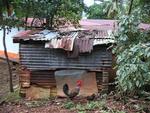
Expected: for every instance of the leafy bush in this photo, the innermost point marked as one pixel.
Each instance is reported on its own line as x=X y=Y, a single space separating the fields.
x=133 y=54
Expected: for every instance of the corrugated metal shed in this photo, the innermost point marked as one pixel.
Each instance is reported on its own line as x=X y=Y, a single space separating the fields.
x=36 y=57
x=42 y=62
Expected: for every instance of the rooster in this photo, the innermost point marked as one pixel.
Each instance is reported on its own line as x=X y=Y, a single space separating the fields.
x=74 y=92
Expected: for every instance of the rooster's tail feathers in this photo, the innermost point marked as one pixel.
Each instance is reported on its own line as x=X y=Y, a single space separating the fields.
x=66 y=89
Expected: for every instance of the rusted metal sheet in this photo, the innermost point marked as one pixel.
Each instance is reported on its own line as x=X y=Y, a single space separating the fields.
x=36 y=57
x=99 y=36
x=43 y=78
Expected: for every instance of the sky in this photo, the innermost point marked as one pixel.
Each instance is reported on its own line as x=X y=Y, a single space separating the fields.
x=11 y=47
x=88 y=2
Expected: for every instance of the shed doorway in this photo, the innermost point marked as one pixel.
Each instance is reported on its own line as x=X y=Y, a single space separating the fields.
x=89 y=85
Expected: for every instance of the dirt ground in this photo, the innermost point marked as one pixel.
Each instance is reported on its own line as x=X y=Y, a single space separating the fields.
x=4 y=78
x=74 y=106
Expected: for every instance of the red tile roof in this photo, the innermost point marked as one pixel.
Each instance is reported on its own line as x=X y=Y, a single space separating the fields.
x=12 y=56
x=90 y=23
x=105 y=24
x=98 y=24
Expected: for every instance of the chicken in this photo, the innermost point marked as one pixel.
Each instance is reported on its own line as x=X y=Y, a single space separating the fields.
x=74 y=92
x=91 y=97
x=94 y=96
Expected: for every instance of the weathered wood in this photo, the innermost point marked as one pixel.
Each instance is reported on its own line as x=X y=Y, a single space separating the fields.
x=24 y=77
x=105 y=81
x=44 y=78
x=35 y=92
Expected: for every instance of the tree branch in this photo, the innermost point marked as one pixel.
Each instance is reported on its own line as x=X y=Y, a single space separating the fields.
x=130 y=8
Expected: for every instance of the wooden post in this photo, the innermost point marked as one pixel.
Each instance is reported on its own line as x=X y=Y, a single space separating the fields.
x=105 y=80
x=24 y=79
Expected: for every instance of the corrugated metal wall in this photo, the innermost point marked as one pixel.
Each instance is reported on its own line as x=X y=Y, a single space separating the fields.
x=43 y=78
x=36 y=57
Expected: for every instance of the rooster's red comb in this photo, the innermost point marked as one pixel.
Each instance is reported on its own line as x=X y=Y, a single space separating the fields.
x=79 y=82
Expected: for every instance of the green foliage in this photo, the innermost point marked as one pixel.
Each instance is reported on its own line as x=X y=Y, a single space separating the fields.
x=80 y=107
x=106 y=10
x=36 y=103
x=92 y=105
x=83 y=107
x=145 y=10
x=82 y=112
x=113 y=9
x=144 y=7
x=69 y=105
x=100 y=106
x=133 y=53
x=50 y=10
x=96 y=11
x=7 y=17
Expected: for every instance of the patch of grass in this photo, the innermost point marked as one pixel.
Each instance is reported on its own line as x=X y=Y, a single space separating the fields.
x=92 y=105
x=111 y=111
x=36 y=103
x=69 y=105
x=81 y=111
x=12 y=96
x=89 y=106
x=80 y=107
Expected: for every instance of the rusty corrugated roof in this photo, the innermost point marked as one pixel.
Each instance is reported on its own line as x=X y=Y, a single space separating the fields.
x=46 y=35
x=24 y=35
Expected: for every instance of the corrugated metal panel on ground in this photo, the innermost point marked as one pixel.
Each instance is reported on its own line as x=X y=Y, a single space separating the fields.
x=36 y=57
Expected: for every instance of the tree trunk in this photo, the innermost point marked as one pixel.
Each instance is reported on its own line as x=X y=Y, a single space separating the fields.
x=1 y=14
x=9 y=7
x=26 y=22
x=7 y=59
x=51 y=22
x=47 y=22
x=130 y=7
